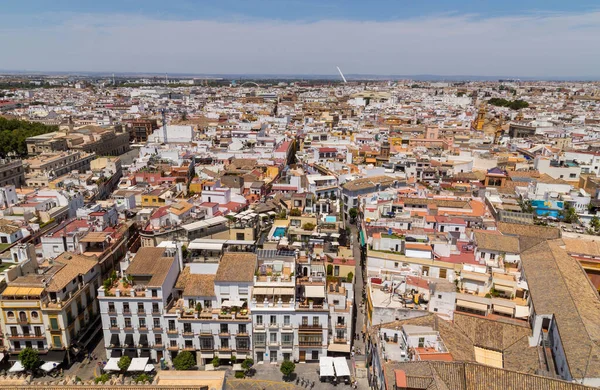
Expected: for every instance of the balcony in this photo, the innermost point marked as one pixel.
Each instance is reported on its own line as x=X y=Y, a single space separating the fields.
x=158 y=346
x=143 y=327
x=26 y=336
x=112 y=311
x=156 y=328
x=126 y=312
x=189 y=348
x=340 y=326
x=340 y=340
x=207 y=348
x=224 y=334
x=310 y=343
x=188 y=333
x=141 y=311
x=172 y=331
x=114 y=327
x=259 y=326
x=309 y=327
x=273 y=326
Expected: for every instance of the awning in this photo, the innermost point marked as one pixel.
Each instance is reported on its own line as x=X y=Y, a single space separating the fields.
x=116 y=353
x=503 y=310
x=209 y=246
x=132 y=353
x=344 y=348
x=114 y=340
x=472 y=305
x=112 y=365
x=49 y=366
x=2 y=356
x=54 y=356
x=231 y=303
x=263 y=291
x=297 y=244
x=144 y=340
x=335 y=235
x=129 y=339
x=326 y=366
x=271 y=213
x=149 y=368
x=283 y=291
x=316 y=234
x=17 y=367
x=341 y=366
x=137 y=364
x=500 y=287
x=317 y=268
x=335 y=243
x=314 y=291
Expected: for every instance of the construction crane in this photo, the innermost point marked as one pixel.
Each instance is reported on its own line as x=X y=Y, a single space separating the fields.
x=341 y=74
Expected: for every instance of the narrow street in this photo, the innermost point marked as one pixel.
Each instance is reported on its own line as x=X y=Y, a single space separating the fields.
x=359 y=287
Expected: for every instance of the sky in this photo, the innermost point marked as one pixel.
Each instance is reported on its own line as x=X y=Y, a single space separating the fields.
x=537 y=38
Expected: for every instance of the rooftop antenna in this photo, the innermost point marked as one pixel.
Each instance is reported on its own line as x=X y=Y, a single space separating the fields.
x=341 y=74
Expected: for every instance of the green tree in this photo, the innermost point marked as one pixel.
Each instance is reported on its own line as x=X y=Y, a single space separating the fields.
x=124 y=363
x=569 y=214
x=30 y=359
x=287 y=368
x=184 y=361
x=247 y=364
x=329 y=269
x=215 y=362
x=350 y=277
x=353 y=213
x=595 y=223
x=295 y=213
x=309 y=226
x=102 y=378
x=143 y=378
x=13 y=134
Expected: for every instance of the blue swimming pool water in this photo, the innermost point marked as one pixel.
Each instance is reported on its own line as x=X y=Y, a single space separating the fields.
x=279 y=231
x=550 y=208
x=330 y=219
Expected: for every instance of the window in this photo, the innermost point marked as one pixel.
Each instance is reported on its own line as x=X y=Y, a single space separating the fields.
x=316 y=321
x=259 y=339
x=10 y=314
x=128 y=322
x=492 y=256
x=443 y=273
x=224 y=343
x=56 y=340
x=155 y=308
x=336 y=270
x=125 y=307
x=242 y=328
x=171 y=325
x=315 y=355
x=336 y=302
x=224 y=328
x=286 y=320
x=157 y=339
x=395 y=265
x=304 y=320
x=206 y=343
x=113 y=322
x=189 y=344
x=273 y=320
x=111 y=307
x=156 y=323
x=38 y=330
x=287 y=339
x=54 y=323
x=142 y=322
x=439 y=296
x=421 y=342
x=140 y=307
x=273 y=338
x=241 y=343
x=154 y=293
x=207 y=304
x=259 y=320
x=13 y=331
x=173 y=343
x=35 y=315
x=240 y=236
x=572 y=175
x=40 y=345
x=187 y=327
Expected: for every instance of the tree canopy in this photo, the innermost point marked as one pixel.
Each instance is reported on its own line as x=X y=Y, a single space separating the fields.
x=287 y=368
x=124 y=363
x=184 y=361
x=514 y=104
x=30 y=359
x=14 y=132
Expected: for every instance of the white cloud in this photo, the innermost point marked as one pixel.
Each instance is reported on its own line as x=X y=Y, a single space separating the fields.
x=545 y=44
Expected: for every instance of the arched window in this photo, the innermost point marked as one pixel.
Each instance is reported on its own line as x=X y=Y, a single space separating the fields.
x=34 y=314
x=10 y=314
x=22 y=316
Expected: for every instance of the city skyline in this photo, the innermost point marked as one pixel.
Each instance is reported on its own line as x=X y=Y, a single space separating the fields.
x=521 y=39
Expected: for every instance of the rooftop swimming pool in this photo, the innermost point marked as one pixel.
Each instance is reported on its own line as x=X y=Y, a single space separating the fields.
x=279 y=232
